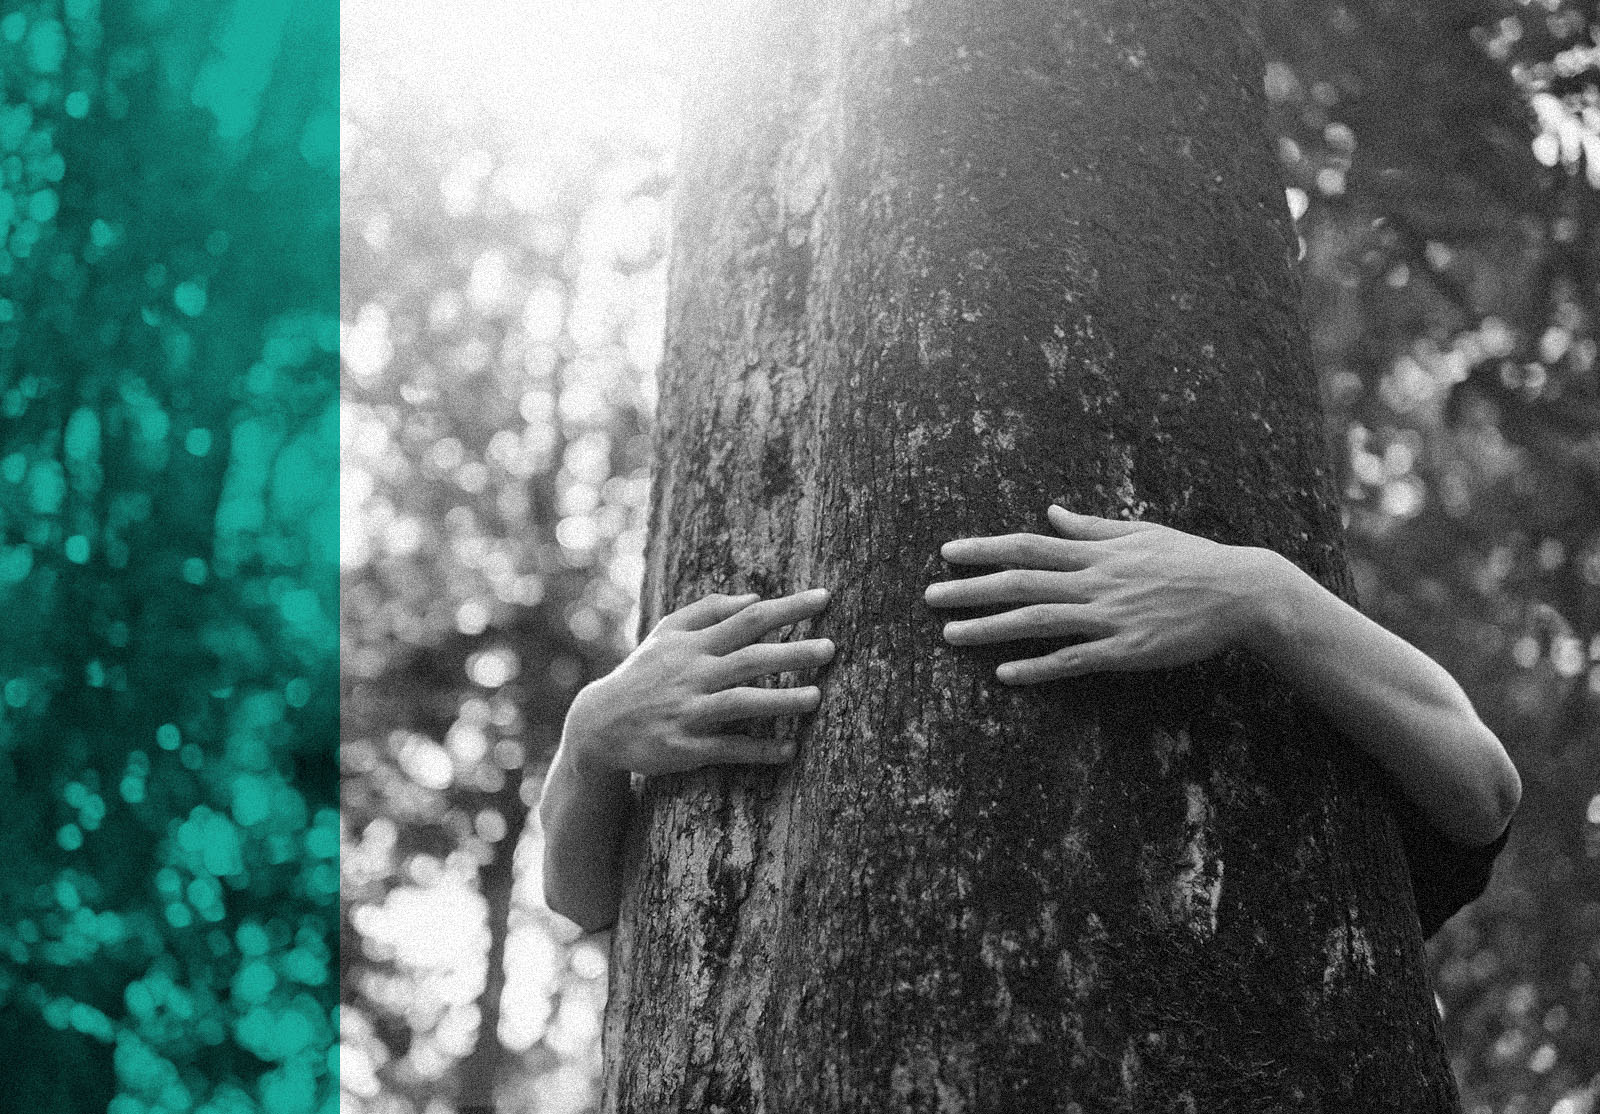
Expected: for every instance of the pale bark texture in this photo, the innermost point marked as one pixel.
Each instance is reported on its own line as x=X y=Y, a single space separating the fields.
x=937 y=264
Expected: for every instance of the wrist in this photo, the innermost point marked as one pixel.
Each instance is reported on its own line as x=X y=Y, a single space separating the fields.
x=583 y=740
x=1273 y=607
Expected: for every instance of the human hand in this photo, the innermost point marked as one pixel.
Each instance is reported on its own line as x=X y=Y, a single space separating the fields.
x=1136 y=595
x=659 y=711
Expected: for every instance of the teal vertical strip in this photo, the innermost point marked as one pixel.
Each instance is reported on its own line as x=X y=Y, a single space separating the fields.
x=168 y=556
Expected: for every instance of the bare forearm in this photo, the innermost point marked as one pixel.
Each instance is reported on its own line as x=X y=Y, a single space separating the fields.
x=1391 y=699
x=584 y=811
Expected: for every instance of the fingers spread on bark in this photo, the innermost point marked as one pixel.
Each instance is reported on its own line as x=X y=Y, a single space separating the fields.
x=1010 y=586
x=760 y=619
x=1088 y=527
x=762 y=658
x=706 y=611
x=1104 y=655
x=1034 y=551
x=1040 y=620
x=744 y=703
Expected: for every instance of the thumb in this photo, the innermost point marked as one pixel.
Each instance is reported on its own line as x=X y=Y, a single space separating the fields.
x=1088 y=527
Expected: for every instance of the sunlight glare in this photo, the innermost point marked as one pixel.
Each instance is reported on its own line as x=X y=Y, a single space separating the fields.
x=584 y=67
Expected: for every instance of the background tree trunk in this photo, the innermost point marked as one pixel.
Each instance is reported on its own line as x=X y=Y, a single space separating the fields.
x=480 y=1069
x=936 y=265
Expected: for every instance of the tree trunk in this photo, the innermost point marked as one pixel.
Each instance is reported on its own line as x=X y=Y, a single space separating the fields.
x=937 y=264
x=479 y=1072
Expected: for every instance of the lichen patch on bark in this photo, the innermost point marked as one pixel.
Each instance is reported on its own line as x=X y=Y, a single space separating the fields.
x=1197 y=890
x=1349 y=955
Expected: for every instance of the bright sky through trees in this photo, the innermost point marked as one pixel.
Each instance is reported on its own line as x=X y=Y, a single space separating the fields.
x=581 y=67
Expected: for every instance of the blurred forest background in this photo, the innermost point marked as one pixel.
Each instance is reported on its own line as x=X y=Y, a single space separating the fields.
x=168 y=556
x=507 y=180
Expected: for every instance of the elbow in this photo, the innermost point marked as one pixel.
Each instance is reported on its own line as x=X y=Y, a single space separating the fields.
x=570 y=887
x=579 y=908
x=1508 y=792
x=1500 y=792
x=590 y=921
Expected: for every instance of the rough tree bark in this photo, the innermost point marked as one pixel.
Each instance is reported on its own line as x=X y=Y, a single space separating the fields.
x=938 y=263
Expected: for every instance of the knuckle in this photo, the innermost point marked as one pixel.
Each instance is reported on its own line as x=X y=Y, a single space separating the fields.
x=699 y=675
x=1076 y=616
x=668 y=639
x=760 y=658
x=679 y=661
x=698 y=710
x=1040 y=582
x=1036 y=547
x=1039 y=619
x=750 y=622
x=751 y=660
x=737 y=661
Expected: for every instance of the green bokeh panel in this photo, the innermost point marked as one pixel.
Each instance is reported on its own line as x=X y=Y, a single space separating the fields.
x=168 y=556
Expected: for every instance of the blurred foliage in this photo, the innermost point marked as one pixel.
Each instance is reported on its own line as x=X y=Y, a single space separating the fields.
x=168 y=514
x=1447 y=158
x=501 y=303
x=501 y=314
